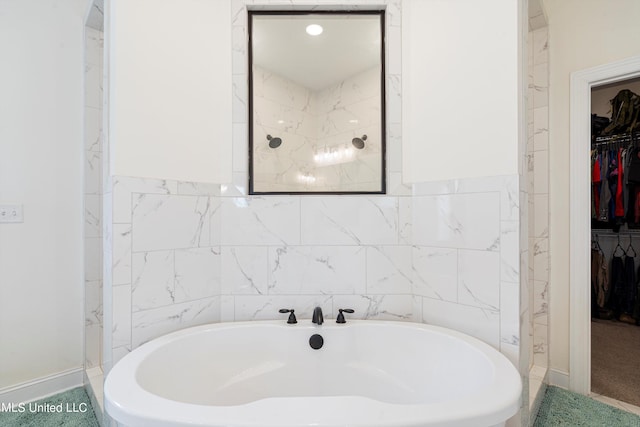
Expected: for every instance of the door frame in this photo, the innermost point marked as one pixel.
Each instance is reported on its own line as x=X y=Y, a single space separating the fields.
x=580 y=213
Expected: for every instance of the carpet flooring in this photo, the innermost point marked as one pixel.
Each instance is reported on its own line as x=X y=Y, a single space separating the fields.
x=615 y=360
x=69 y=409
x=563 y=408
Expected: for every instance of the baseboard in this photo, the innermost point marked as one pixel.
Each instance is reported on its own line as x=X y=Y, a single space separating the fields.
x=559 y=378
x=42 y=387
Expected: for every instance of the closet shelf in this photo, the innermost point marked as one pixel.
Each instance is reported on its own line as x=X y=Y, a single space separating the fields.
x=621 y=138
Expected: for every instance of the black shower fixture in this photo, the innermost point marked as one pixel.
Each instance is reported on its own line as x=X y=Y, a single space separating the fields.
x=359 y=142
x=274 y=142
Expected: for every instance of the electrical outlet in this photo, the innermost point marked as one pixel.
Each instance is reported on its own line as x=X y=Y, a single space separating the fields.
x=11 y=213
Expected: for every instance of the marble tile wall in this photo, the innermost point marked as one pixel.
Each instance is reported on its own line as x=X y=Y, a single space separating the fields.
x=538 y=156
x=93 y=196
x=445 y=253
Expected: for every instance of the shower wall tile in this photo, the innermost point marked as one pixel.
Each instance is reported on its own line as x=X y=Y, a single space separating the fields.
x=349 y=220
x=123 y=187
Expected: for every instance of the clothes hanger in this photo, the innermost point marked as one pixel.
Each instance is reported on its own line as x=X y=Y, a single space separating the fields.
x=619 y=247
x=630 y=247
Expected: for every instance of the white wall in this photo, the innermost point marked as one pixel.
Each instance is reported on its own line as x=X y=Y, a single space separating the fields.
x=582 y=34
x=167 y=95
x=457 y=55
x=41 y=108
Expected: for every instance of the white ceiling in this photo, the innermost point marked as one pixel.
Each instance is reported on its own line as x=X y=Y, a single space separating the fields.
x=349 y=44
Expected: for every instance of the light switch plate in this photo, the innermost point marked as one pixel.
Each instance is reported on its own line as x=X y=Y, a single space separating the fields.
x=11 y=213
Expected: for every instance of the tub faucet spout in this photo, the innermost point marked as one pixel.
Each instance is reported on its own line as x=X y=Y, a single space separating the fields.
x=317 y=316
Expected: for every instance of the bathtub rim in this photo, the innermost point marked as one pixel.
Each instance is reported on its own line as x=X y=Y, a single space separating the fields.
x=165 y=412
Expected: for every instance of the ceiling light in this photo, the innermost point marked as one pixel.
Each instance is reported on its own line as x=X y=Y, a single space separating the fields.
x=314 y=30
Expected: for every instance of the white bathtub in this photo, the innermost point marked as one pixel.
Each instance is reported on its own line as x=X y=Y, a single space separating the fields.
x=265 y=374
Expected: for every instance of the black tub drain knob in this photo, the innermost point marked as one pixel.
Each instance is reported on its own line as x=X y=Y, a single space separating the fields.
x=316 y=341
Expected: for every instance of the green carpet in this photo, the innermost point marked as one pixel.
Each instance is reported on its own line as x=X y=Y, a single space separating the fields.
x=564 y=408
x=69 y=409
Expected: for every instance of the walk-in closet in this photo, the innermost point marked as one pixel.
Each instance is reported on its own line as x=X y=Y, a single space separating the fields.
x=615 y=241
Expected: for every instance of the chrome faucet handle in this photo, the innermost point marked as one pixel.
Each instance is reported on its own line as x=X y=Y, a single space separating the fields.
x=340 y=318
x=292 y=317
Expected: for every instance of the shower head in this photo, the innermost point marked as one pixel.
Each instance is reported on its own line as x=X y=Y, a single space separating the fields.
x=274 y=142
x=359 y=142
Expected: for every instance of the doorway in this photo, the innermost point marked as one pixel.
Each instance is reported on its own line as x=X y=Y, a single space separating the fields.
x=582 y=83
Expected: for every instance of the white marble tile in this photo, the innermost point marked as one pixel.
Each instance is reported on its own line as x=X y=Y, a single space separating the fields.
x=393 y=88
x=468 y=221
x=377 y=307
x=540 y=46
x=239 y=103
x=349 y=220
x=92 y=129
x=92 y=345
x=389 y=269
x=123 y=186
x=541 y=215
x=121 y=255
x=260 y=221
x=240 y=147
x=394 y=147
x=120 y=352
x=435 y=272
x=541 y=128
x=121 y=327
x=480 y=323
x=265 y=307
x=94 y=45
x=197 y=189
x=541 y=174
x=479 y=279
x=150 y=324
x=93 y=259
x=93 y=84
x=153 y=280
x=152 y=213
x=540 y=97
x=317 y=270
x=93 y=172
x=510 y=251
x=227 y=308
x=92 y=215
x=512 y=352
x=244 y=270
x=93 y=303
x=509 y=199
x=405 y=220
x=197 y=273
x=540 y=302
x=509 y=313
x=541 y=259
